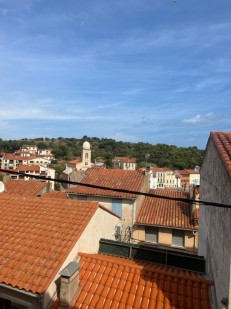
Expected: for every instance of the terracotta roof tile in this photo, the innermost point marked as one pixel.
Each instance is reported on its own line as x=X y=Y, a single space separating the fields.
x=24 y=187
x=222 y=141
x=139 y=285
x=112 y=178
x=75 y=161
x=125 y=159
x=23 y=167
x=167 y=213
x=42 y=233
x=55 y=194
x=161 y=169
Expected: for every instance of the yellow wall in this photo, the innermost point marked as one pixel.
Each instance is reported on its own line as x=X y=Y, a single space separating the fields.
x=165 y=237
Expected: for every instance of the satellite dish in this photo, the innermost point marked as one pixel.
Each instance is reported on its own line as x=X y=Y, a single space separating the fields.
x=2 y=187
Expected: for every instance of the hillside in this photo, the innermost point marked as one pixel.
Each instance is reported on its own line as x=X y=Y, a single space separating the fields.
x=105 y=149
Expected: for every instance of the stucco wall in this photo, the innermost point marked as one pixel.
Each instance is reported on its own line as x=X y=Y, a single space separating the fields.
x=128 y=207
x=101 y=225
x=215 y=223
x=165 y=237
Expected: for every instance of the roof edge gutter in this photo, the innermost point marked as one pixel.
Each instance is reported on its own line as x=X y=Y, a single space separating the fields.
x=9 y=287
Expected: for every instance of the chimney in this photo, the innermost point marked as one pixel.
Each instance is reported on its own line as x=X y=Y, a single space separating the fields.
x=69 y=287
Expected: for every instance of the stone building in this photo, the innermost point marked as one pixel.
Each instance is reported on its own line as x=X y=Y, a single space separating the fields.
x=215 y=222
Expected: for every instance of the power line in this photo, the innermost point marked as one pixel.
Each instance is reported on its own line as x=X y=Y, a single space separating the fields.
x=190 y=201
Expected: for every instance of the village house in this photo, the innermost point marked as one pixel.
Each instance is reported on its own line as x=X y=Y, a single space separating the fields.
x=33 y=170
x=125 y=205
x=125 y=163
x=39 y=238
x=215 y=222
x=11 y=161
x=167 y=222
x=188 y=178
x=163 y=178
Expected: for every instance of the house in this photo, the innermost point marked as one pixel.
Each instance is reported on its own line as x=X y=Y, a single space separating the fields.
x=125 y=163
x=162 y=178
x=26 y=187
x=39 y=238
x=167 y=222
x=11 y=161
x=215 y=222
x=113 y=281
x=33 y=170
x=188 y=178
x=125 y=205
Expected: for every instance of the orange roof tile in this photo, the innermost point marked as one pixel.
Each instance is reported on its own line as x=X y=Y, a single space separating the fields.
x=161 y=169
x=75 y=161
x=55 y=194
x=222 y=141
x=125 y=159
x=167 y=213
x=112 y=178
x=24 y=187
x=114 y=282
x=41 y=235
x=23 y=167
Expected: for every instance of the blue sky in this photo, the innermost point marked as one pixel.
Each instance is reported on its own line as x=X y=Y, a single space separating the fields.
x=134 y=70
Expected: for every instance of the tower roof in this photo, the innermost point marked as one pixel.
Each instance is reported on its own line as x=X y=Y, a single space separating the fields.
x=86 y=146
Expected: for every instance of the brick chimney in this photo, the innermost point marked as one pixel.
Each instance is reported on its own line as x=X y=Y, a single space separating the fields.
x=69 y=287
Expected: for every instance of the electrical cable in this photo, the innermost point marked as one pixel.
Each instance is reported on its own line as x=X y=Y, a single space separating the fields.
x=190 y=201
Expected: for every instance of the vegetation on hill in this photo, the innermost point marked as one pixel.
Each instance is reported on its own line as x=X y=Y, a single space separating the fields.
x=105 y=149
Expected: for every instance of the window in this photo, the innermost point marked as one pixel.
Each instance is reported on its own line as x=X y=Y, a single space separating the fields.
x=151 y=234
x=117 y=206
x=178 y=238
x=81 y=197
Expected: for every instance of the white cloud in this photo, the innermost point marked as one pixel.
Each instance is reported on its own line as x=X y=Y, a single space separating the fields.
x=200 y=118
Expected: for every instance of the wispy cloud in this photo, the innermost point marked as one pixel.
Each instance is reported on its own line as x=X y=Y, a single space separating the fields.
x=200 y=118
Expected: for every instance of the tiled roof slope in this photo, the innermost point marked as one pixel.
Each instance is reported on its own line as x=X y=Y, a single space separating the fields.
x=75 y=161
x=112 y=178
x=167 y=213
x=24 y=187
x=36 y=235
x=55 y=194
x=113 y=282
x=23 y=167
x=125 y=159
x=161 y=169
x=222 y=141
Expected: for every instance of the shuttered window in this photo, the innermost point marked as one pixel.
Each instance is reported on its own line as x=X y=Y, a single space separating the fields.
x=151 y=234
x=178 y=238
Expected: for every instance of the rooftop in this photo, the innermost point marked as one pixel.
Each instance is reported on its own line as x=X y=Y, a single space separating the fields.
x=24 y=187
x=112 y=178
x=161 y=169
x=42 y=234
x=168 y=213
x=222 y=141
x=125 y=159
x=55 y=194
x=75 y=161
x=114 y=282
x=23 y=167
